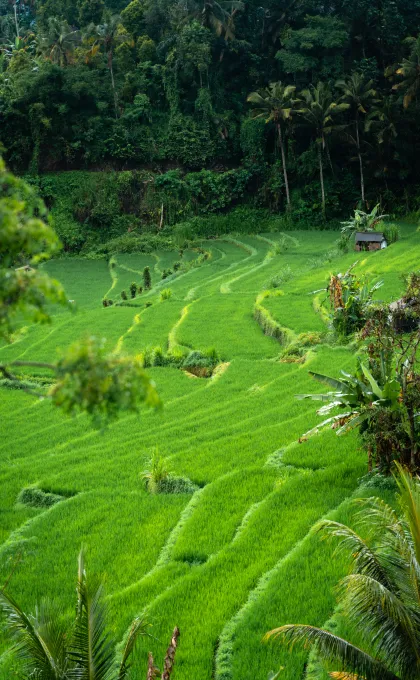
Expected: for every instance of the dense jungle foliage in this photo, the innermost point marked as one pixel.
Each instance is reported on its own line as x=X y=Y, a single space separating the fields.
x=160 y=87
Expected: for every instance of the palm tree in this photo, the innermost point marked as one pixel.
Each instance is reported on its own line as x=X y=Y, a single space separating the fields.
x=380 y=598
x=359 y=94
x=48 y=650
x=319 y=110
x=383 y=120
x=409 y=70
x=58 y=41
x=217 y=15
x=110 y=35
x=275 y=103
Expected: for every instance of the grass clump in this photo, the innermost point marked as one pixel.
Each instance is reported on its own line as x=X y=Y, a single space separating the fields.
x=165 y=294
x=156 y=473
x=159 y=478
x=38 y=498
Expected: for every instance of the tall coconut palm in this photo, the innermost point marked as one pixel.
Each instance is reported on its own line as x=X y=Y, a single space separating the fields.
x=58 y=41
x=360 y=95
x=383 y=122
x=409 y=71
x=110 y=35
x=380 y=598
x=318 y=109
x=275 y=103
x=48 y=650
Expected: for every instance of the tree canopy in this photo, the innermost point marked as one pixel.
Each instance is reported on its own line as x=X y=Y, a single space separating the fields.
x=112 y=84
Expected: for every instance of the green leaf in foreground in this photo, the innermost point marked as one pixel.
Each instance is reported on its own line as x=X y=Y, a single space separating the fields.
x=101 y=385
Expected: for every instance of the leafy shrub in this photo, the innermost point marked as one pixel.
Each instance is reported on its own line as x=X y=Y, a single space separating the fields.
x=158 y=357
x=165 y=294
x=176 y=266
x=147 y=278
x=297 y=350
x=176 y=355
x=349 y=298
x=166 y=273
x=147 y=357
x=139 y=290
x=133 y=289
x=132 y=243
x=391 y=233
x=123 y=295
x=201 y=364
x=38 y=498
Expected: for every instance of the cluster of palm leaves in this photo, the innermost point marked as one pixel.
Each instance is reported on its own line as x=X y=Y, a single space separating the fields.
x=380 y=599
x=409 y=71
x=359 y=394
x=317 y=108
x=47 y=649
x=278 y=102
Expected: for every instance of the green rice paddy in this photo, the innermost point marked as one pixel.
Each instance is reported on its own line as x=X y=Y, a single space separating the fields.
x=237 y=557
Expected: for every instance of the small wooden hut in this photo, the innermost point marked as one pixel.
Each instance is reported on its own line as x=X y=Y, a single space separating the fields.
x=370 y=240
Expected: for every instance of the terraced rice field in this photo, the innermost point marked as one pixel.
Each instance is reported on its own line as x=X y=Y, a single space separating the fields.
x=237 y=557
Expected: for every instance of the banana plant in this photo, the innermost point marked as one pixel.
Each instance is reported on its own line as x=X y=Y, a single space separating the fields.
x=358 y=394
x=362 y=221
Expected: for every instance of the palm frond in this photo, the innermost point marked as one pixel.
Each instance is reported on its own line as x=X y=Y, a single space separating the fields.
x=385 y=619
x=137 y=628
x=332 y=648
x=364 y=559
x=92 y=648
x=35 y=652
x=410 y=503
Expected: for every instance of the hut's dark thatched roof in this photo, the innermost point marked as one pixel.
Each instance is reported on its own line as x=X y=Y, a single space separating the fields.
x=370 y=236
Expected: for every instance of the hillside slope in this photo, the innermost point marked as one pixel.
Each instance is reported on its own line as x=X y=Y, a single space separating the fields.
x=237 y=557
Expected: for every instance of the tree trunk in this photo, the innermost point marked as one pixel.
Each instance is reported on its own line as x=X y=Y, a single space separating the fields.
x=169 y=661
x=327 y=149
x=413 y=443
x=16 y=19
x=283 y=160
x=152 y=671
x=362 y=179
x=114 y=92
x=321 y=177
